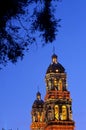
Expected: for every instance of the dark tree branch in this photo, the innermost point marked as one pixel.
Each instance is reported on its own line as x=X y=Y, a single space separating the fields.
x=12 y=43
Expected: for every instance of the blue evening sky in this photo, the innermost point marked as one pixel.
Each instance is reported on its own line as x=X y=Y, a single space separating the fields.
x=19 y=83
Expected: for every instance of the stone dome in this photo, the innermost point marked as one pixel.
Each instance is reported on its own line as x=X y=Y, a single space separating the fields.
x=55 y=66
x=38 y=103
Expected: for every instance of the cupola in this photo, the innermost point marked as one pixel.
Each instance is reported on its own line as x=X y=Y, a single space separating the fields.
x=38 y=103
x=55 y=66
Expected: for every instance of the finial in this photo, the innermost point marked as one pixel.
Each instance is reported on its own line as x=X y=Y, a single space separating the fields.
x=54 y=56
x=38 y=95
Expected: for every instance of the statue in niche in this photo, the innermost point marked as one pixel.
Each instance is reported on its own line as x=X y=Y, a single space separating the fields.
x=64 y=113
x=56 y=84
x=41 y=117
x=56 y=109
x=33 y=118
x=60 y=85
x=50 y=113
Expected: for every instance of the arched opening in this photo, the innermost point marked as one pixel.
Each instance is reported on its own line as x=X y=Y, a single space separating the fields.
x=56 y=109
x=64 y=113
x=60 y=85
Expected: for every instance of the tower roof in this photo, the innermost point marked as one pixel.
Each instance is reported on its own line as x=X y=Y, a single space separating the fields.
x=55 y=66
x=38 y=102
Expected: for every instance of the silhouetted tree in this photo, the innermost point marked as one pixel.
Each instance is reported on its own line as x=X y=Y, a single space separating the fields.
x=20 y=21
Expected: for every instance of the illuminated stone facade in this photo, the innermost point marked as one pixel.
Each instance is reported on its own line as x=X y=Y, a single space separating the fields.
x=55 y=112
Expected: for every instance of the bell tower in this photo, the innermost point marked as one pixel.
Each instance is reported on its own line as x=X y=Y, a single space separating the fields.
x=58 y=103
x=55 y=112
x=37 y=113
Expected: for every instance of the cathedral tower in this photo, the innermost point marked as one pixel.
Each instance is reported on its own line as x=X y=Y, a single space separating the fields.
x=38 y=113
x=55 y=112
